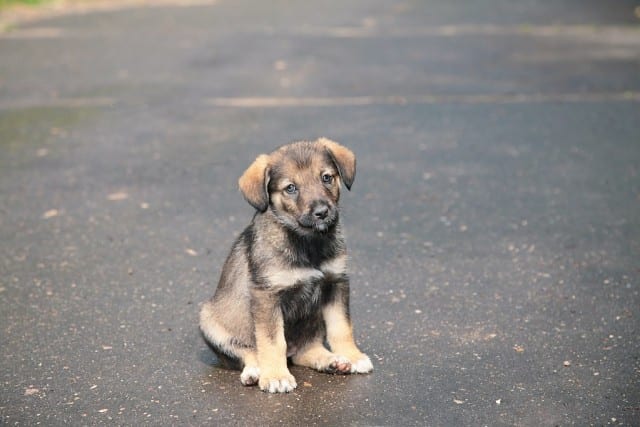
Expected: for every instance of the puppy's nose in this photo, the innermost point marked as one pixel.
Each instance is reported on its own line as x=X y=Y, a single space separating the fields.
x=321 y=211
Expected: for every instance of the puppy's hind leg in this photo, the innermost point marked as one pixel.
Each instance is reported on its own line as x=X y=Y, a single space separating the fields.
x=250 y=373
x=340 y=331
x=315 y=356
x=230 y=350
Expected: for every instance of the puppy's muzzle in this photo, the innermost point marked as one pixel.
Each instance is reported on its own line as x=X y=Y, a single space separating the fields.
x=320 y=216
x=320 y=212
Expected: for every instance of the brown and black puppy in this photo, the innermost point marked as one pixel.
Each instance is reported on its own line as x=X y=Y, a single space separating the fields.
x=284 y=290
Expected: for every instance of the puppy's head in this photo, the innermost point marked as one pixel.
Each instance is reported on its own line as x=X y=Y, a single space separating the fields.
x=300 y=183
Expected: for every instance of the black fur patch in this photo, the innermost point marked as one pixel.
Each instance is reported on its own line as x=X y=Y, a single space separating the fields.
x=248 y=236
x=302 y=314
x=313 y=250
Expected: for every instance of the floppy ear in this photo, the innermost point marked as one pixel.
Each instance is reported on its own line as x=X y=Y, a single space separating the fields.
x=254 y=181
x=343 y=158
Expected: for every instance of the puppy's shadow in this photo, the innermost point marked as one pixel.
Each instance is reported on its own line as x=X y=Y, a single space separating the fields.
x=209 y=358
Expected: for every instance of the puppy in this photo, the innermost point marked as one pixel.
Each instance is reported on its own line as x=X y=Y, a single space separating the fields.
x=284 y=290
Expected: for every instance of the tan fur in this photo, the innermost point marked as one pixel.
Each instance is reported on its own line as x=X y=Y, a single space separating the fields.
x=252 y=183
x=344 y=157
x=340 y=338
x=316 y=356
x=271 y=344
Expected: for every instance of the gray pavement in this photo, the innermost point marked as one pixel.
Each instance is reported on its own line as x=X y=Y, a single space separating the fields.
x=494 y=225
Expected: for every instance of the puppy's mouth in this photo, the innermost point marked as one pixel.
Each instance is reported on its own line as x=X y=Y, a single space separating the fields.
x=319 y=226
x=316 y=226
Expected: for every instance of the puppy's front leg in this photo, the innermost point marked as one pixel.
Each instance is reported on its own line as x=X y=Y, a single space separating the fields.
x=340 y=330
x=270 y=343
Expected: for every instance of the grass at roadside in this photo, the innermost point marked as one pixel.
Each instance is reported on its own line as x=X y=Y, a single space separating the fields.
x=5 y=3
x=14 y=13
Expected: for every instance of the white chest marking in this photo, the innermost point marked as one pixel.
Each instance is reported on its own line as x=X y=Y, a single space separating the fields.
x=282 y=279
x=335 y=267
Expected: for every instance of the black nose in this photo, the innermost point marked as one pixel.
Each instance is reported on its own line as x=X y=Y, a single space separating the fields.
x=321 y=211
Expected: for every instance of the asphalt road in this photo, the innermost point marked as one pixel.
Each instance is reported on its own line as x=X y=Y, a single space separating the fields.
x=494 y=224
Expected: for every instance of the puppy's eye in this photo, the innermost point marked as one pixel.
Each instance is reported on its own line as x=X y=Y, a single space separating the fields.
x=326 y=178
x=291 y=188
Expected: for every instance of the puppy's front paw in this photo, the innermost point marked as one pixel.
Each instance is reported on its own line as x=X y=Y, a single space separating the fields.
x=250 y=375
x=362 y=366
x=277 y=383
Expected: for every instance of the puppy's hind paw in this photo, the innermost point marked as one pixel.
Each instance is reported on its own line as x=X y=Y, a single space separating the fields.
x=362 y=365
x=339 y=365
x=250 y=375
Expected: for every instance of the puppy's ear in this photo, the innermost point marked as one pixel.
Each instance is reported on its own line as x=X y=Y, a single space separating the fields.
x=343 y=158
x=254 y=181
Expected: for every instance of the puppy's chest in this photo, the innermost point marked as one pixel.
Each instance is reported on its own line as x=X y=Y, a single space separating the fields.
x=291 y=277
x=301 y=301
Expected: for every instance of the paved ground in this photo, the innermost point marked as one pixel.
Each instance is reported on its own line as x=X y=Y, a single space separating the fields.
x=494 y=225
